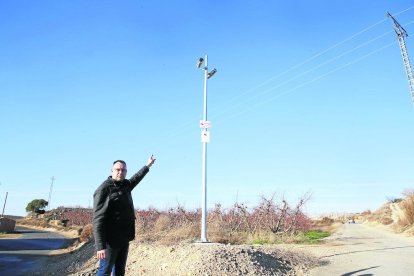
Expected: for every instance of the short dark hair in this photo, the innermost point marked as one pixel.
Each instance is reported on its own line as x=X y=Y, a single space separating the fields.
x=120 y=161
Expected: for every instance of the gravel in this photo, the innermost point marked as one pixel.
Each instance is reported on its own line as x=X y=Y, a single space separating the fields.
x=189 y=259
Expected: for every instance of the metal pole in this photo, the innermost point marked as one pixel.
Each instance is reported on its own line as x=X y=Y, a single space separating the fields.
x=50 y=193
x=204 y=173
x=4 y=206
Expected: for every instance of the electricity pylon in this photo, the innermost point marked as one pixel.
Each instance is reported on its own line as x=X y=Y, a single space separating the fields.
x=401 y=33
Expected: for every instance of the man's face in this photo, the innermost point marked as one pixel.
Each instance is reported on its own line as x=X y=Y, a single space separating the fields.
x=119 y=171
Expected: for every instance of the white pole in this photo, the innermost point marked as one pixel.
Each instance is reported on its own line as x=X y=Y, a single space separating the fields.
x=204 y=173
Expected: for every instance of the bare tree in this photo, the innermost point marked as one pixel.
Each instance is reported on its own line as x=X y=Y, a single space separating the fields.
x=297 y=214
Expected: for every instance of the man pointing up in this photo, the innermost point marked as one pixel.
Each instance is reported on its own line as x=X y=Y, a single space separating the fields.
x=114 y=217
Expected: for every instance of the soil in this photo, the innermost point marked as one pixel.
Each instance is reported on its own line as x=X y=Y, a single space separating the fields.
x=190 y=259
x=353 y=248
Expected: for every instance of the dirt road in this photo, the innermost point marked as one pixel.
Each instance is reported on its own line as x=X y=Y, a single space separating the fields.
x=358 y=249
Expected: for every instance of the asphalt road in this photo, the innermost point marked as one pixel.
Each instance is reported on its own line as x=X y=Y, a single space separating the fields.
x=21 y=255
x=358 y=249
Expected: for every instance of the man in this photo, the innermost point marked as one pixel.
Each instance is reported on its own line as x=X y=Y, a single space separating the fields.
x=114 y=217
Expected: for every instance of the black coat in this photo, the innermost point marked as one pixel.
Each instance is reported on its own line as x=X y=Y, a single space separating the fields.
x=113 y=211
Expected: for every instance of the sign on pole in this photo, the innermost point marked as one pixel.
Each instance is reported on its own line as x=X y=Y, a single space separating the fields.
x=205 y=136
x=205 y=124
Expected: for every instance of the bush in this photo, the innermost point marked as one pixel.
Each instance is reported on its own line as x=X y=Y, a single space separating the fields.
x=408 y=207
x=87 y=233
x=163 y=223
x=386 y=221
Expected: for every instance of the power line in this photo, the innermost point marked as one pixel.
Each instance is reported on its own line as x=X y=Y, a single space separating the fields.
x=231 y=102
x=311 y=58
x=248 y=100
x=308 y=59
x=283 y=93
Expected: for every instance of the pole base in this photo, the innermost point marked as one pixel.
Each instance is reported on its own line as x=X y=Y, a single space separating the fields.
x=201 y=241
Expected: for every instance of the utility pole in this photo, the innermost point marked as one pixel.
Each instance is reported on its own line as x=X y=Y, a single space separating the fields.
x=4 y=206
x=50 y=192
x=205 y=138
x=401 y=33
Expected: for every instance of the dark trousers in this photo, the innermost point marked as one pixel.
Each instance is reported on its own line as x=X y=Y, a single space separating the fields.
x=115 y=261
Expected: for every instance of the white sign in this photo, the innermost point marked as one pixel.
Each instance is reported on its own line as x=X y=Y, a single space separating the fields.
x=205 y=136
x=205 y=124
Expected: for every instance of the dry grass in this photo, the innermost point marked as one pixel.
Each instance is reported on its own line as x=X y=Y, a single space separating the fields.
x=220 y=234
x=396 y=213
x=386 y=220
x=383 y=215
x=327 y=225
x=33 y=222
x=407 y=205
x=270 y=221
x=323 y=224
x=87 y=233
x=164 y=232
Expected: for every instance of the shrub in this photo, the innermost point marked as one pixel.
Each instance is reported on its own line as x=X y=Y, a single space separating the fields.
x=163 y=223
x=324 y=222
x=87 y=233
x=386 y=221
x=408 y=207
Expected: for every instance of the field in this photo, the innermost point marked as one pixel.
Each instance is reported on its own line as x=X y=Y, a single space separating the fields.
x=245 y=241
x=268 y=222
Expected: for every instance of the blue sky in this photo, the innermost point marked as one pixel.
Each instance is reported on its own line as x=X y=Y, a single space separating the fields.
x=310 y=96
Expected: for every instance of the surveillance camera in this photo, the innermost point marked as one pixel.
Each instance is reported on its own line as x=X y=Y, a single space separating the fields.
x=212 y=72
x=199 y=62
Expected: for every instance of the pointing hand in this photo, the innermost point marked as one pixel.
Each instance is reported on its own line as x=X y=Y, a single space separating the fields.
x=150 y=161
